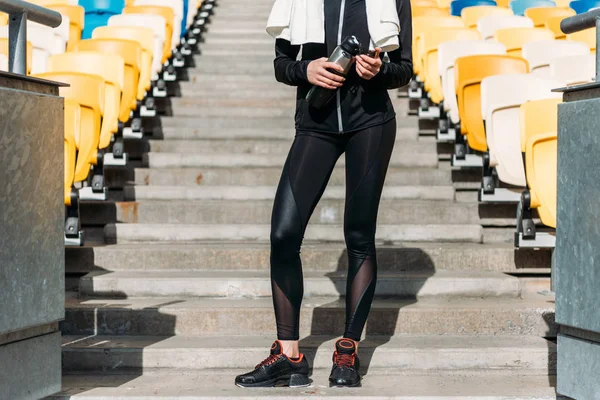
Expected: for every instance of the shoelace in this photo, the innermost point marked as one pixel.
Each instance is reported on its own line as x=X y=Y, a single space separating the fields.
x=268 y=361
x=343 y=360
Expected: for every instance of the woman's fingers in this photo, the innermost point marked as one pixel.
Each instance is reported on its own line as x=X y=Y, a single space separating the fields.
x=326 y=85
x=330 y=84
x=333 y=66
x=331 y=76
x=363 y=71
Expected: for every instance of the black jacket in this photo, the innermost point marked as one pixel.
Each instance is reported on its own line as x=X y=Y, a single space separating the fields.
x=361 y=103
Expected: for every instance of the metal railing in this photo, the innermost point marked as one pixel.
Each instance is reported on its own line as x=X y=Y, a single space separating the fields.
x=18 y=13
x=583 y=21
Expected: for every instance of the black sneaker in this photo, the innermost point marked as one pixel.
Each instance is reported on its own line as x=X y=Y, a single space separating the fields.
x=277 y=370
x=345 y=364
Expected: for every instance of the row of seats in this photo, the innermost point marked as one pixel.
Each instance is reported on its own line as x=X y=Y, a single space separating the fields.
x=518 y=7
x=113 y=76
x=488 y=77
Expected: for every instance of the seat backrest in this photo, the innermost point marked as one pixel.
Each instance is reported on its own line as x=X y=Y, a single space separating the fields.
x=519 y=6
x=97 y=13
x=76 y=15
x=539 y=15
x=587 y=36
x=553 y=23
x=175 y=5
x=423 y=3
x=488 y=25
x=423 y=24
x=4 y=51
x=457 y=6
x=3 y=62
x=41 y=39
x=470 y=15
x=574 y=69
x=448 y=52
x=538 y=116
x=154 y=22
x=515 y=38
x=469 y=71
x=169 y=16
x=428 y=11
x=581 y=6
x=541 y=53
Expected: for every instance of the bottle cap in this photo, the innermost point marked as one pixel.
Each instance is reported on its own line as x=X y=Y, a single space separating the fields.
x=351 y=45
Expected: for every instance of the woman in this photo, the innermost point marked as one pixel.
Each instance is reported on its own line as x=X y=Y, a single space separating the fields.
x=360 y=122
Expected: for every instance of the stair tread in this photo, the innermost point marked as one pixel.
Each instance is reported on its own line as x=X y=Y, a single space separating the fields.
x=377 y=385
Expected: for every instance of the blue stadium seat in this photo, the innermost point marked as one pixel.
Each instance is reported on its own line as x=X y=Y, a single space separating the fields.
x=581 y=6
x=457 y=5
x=519 y=6
x=97 y=13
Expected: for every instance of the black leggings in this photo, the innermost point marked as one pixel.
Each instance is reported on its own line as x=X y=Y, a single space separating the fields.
x=303 y=180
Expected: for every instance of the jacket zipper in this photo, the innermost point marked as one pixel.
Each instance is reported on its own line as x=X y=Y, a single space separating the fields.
x=339 y=41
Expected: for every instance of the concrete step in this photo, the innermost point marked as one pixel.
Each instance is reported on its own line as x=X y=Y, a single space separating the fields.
x=251 y=284
x=258 y=176
x=327 y=258
x=137 y=233
x=233 y=112
x=167 y=316
x=376 y=385
x=263 y=146
x=195 y=160
x=528 y=356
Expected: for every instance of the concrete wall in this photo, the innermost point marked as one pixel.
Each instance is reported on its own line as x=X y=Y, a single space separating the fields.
x=31 y=239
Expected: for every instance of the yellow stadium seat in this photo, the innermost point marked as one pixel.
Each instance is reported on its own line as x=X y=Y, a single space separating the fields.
x=419 y=11
x=145 y=37
x=539 y=15
x=468 y=74
x=515 y=38
x=470 y=15
x=423 y=3
x=4 y=50
x=429 y=56
x=588 y=36
x=3 y=19
x=553 y=23
x=165 y=12
x=76 y=16
x=444 y=4
x=131 y=52
x=539 y=143
x=88 y=91
x=109 y=67
x=72 y=130
x=503 y=3
x=422 y=24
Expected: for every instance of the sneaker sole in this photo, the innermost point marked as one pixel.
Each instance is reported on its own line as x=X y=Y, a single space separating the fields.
x=293 y=381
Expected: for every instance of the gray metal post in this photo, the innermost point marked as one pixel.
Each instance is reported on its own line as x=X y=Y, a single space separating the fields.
x=17 y=43
x=597 y=52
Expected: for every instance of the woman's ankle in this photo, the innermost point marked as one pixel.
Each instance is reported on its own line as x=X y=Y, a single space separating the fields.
x=290 y=348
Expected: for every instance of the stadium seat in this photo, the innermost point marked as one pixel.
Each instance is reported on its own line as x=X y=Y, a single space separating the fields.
x=42 y=40
x=448 y=53
x=428 y=11
x=97 y=13
x=468 y=73
x=76 y=15
x=457 y=6
x=72 y=131
x=515 y=38
x=539 y=126
x=423 y=3
x=169 y=16
x=488 y=25
x=4 y=51
x=519 y=6
x=155 y=22
x=539 y=15
x=176 y=6
x=501 y=99
x=423 y=24
x=3 y=19
x=145 y=37
x=111 y=68
x=588 y=36
x=430 y=41
x=88 y=91
x=3 y=62
x=540 y=54
x=573 y=70
x=470 y=15
x=131 y=52
x=553 y=23
x=581 y=6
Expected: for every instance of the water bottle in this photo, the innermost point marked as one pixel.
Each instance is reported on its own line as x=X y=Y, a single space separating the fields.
x=344 y=56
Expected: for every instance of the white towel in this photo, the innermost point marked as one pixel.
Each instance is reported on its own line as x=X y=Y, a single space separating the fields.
x=302 y=21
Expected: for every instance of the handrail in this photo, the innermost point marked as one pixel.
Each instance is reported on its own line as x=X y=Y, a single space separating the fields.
x=18 y=12
x=583 y=21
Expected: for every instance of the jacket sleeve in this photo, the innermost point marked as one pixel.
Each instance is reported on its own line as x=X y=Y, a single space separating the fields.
x=399 y=70
x=287 y=69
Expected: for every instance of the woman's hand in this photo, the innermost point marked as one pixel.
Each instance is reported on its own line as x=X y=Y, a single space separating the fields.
x=318 y=74
x=367 y=67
